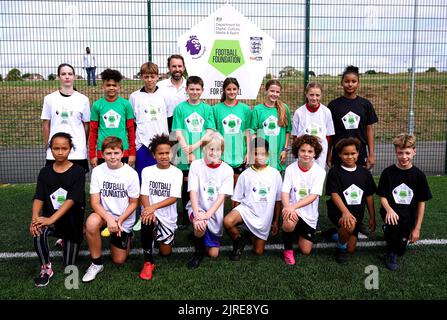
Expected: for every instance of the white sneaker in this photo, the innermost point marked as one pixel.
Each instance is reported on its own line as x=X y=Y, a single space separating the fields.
x=92 y=272
x=137 y=226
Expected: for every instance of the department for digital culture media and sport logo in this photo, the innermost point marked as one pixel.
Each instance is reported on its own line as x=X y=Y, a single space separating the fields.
x=256 y=44
x=194 y=48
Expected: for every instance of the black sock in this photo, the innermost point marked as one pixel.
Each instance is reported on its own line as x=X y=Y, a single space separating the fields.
x=97 y=261
x=199 y=245
x=287 y=238
x=147 y=241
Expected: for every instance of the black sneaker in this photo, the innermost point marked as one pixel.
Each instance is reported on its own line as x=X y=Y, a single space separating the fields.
x=195 y=261
x=44 y=276
x=237 y=252
x=391 y=261
x=341 y=256
x=363 y=229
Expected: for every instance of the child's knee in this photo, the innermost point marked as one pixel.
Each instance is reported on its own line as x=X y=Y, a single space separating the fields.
x=288 y=227
x=258 y=251
x=119 y=261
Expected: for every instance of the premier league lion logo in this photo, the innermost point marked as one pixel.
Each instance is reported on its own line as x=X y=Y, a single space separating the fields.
x=193 y=45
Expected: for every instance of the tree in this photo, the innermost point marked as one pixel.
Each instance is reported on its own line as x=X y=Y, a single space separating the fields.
x=51 y=77
x=1 y=78
x=25 y=75
x=290 y=72
x=371 y=72
x=13 y=75
x=431 y=69
x=312 y=74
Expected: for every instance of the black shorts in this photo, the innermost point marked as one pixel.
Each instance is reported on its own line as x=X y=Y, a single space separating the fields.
x=334 y=215
x=185 y=173
x=121 y=242
x=123 y=160
x=239 y=170
x=83 y=163
x=302 y=229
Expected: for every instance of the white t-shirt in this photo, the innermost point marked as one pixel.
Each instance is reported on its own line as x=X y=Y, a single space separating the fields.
x=150 y=115
x=299 y=184
x=115 y=187
x=258 y=191
x=318 y=123
x=173 y=96
x=209 y=183
x=68 y=114
x=161 y=184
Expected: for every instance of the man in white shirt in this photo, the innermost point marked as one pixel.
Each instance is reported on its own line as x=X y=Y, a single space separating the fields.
x=174 y=88
x=89 y=63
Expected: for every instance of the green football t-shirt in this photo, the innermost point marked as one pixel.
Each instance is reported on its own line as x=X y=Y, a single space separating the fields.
x=232 y=122
x=265 y=125
x=192 y=120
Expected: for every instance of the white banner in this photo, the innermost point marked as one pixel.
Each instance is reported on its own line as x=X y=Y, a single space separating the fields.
x=227 y=44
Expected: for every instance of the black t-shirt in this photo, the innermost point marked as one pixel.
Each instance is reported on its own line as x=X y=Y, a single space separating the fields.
x=54 y=188
x=403 y=189
x=350 y=119
x=352 y=186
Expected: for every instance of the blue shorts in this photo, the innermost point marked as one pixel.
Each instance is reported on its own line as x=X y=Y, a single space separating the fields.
x=144 y=158
x=212 y=240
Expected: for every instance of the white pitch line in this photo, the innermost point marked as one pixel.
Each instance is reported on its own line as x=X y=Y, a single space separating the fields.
x=272 y=247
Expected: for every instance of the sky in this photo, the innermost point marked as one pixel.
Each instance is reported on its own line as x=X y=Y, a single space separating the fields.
x=36 y=36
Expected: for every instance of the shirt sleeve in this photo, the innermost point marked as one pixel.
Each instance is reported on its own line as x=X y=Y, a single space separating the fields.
x=77 y=192
x=289 y=122
x=227 y=183
x=295 y=124
x=134 y=185
x=177 y=120
x=46 y=110
x=371 y=184
x=331 y=182
x=176 y=189
x=318 y=183
x=239 y=189
x=210 y=122
x=424 y=193
x=40 y=188
x=144 y=182
x=383 y=186
x=278 y=186
x=255 y=120
x=248 y=118
x=94 y=182
x=287 y=183
x=86 y=111
x=193 y=178
x=330 y=131
x=371 y=116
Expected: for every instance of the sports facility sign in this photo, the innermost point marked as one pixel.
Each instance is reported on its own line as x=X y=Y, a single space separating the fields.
x=227 y=44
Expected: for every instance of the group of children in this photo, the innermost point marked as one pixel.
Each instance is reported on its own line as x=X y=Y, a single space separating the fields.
x=222 y=150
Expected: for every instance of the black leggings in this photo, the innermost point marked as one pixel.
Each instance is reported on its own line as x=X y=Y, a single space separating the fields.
x=71 y=248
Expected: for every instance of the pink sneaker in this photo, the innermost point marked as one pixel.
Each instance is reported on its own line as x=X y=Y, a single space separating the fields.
x=288 y=257
x=146 y=271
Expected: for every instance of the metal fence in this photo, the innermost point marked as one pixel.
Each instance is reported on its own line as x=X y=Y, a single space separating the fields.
x=400 y=47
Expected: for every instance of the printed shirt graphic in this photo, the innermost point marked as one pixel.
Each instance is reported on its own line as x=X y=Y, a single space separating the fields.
x=271 y=127
x=353 y=195
x=111 y=119
x=403 y=194
x=261 y=191
x=316 y=130
x=232 y=124
x=58 y=198
x=351 y=120
x=194 y=122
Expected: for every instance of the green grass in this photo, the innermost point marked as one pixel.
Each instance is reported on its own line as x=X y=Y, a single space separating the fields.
x=422 y=273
